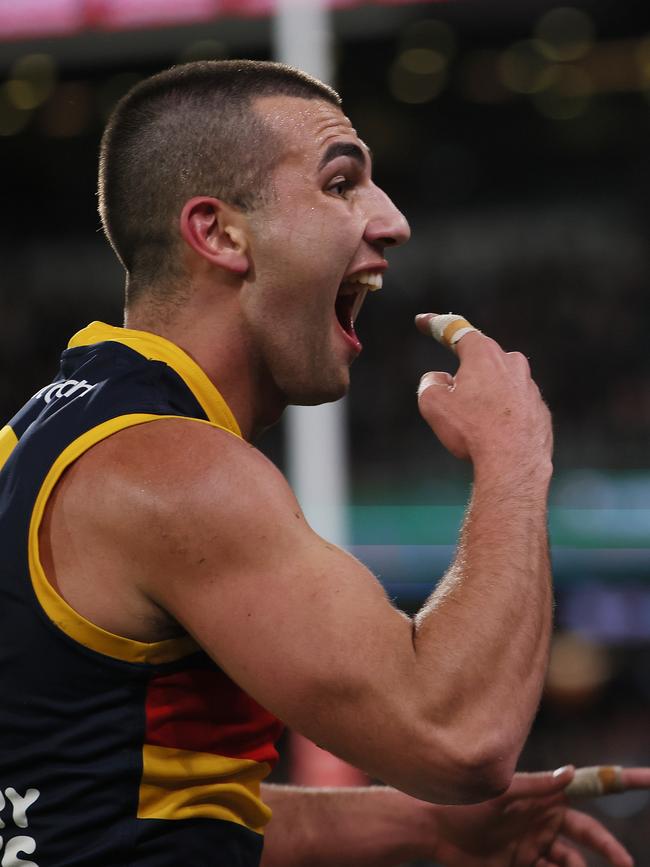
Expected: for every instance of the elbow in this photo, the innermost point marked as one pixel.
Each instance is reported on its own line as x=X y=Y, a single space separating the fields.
x=463 y=771
x=482 y=777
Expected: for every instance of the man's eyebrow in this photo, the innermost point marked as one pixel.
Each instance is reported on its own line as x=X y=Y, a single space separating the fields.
x=343 y=149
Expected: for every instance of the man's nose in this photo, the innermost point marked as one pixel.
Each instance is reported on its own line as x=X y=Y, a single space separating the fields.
x=387 y=226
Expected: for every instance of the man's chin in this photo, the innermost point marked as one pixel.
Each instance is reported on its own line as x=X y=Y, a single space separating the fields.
x=314 y=394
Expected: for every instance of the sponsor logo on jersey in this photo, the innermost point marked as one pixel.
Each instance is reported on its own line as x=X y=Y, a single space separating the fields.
x=64 y=388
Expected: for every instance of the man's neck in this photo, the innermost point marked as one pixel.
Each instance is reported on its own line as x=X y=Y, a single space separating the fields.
x=219 y=346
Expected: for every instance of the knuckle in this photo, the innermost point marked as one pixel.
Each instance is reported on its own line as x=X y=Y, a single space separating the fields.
x=491 y=345
x=520 y=360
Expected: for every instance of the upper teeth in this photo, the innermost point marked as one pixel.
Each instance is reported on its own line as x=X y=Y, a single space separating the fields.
x=371 y=279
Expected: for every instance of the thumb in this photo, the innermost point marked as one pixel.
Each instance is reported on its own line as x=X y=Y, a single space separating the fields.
x=435 y=377
x=542 y=783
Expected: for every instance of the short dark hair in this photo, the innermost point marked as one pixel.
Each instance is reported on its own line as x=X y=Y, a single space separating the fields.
x=153 y=155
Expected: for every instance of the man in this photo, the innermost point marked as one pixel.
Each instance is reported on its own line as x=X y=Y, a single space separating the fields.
x=165 y=602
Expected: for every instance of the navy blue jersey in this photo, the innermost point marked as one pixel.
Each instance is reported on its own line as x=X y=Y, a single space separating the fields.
x=113 y=751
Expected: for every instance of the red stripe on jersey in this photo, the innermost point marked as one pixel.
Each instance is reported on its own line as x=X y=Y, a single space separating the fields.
x=203 y=710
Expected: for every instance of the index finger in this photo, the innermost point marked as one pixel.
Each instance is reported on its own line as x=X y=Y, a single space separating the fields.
x=447 y=328
x=605 y=780
x=635 y=778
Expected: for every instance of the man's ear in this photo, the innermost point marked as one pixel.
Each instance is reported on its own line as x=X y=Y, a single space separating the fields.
x=215 y=231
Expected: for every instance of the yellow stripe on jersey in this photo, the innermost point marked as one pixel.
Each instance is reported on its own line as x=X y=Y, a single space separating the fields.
x=158 y=348
x=8 y=441
x=57 y=609
x=182 y=784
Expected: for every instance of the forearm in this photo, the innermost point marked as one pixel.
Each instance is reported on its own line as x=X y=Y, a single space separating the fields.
x=487 y=626
x=365 y=827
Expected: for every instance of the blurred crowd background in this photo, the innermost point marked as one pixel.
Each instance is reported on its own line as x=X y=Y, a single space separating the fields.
x=516 y=138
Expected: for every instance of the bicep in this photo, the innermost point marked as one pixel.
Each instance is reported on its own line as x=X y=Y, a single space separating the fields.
x=300 y=624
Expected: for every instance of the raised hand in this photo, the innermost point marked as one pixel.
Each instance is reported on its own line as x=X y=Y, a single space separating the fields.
x=491 y=408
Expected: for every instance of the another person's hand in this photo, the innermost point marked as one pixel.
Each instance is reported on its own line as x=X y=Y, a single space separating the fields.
x=532 y=824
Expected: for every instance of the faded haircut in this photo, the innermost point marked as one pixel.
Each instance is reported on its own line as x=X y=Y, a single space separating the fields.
x=188 y=131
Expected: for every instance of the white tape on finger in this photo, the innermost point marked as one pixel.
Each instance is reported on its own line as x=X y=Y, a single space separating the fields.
x=595 y=781
x=449 y=328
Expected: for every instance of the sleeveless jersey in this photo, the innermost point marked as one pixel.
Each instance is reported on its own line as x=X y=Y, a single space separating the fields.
x=113 y=752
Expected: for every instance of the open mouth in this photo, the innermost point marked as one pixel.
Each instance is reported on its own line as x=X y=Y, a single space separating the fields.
x=350 y=298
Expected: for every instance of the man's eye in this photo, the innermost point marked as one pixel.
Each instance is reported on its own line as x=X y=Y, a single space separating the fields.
x=339 y=187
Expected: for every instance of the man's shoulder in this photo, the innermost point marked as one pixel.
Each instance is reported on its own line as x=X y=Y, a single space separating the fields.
x=172 y=471
x=158 y=500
